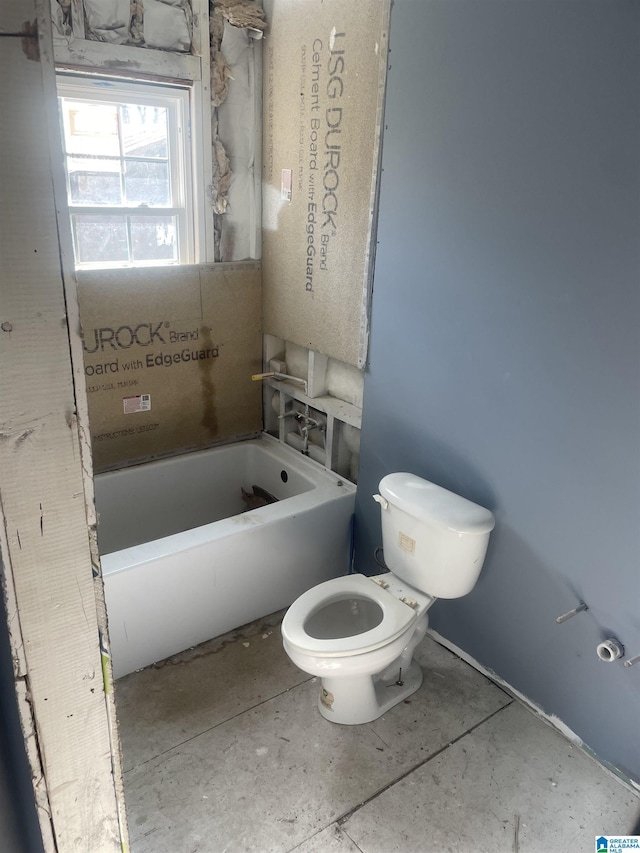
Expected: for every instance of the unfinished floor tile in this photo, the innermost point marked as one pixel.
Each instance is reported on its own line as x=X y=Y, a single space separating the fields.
x=166 y=704
x=330 y=840
x=511 y=784
x=266 y=780
x=453 y=698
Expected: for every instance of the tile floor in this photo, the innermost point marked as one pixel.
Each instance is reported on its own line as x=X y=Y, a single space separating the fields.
x=225 y=752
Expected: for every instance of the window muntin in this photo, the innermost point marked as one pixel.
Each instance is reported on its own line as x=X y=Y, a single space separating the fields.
x=128 y=171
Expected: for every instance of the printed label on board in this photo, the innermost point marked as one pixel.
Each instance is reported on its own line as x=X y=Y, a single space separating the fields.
x=323 y=75
x=108 y=338
x=140 y=403
x=285 y=184
x=406 y=543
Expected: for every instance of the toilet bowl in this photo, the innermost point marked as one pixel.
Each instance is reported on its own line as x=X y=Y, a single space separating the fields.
x=358 y=633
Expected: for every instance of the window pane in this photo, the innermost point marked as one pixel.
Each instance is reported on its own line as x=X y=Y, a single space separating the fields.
x=100 y=238
x=128 y=171
x=146 y=183
x=144 y=131
x=91 y=128
x=154 y=238
x=94 y=181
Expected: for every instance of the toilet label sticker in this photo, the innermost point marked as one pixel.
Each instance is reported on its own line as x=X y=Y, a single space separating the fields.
x=327 y=699
x=406 y=543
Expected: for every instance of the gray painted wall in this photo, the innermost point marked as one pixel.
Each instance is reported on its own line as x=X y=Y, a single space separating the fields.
x=505 y=347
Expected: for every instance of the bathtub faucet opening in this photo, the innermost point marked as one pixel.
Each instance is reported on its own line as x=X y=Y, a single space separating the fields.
x=309 y=424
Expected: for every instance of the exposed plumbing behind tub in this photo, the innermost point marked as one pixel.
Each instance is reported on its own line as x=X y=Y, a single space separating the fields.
x=307 y=424
x=283 y=377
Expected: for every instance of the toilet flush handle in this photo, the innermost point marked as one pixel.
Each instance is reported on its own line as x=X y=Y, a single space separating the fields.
x=384 y=503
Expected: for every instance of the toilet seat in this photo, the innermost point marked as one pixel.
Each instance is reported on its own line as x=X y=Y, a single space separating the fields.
x=397 y=617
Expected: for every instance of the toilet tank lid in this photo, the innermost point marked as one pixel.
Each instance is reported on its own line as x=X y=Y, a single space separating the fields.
x=427 y=502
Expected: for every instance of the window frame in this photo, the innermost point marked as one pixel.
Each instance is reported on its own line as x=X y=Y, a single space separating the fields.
x=177 y=100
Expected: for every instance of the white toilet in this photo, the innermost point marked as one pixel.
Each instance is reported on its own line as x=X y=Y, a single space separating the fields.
x=358 y=633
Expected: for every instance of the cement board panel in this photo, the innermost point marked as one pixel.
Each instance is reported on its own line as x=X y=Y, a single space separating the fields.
x=169 y=356
x=324 y=72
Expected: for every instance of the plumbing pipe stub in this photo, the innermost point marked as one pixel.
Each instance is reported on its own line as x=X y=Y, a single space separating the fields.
x=610 y=650
x=579 y=609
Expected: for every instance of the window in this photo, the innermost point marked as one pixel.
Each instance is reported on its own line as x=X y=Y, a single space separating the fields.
x=128 y=165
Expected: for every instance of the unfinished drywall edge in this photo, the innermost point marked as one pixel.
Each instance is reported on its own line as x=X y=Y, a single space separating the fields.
x=38 y=780
x=42 y=482
x=550 y=719
x=370 y=258
x=81 y=417
x=12 y=23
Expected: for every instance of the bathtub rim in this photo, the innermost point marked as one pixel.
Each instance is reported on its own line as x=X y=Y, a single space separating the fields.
x=328 y=486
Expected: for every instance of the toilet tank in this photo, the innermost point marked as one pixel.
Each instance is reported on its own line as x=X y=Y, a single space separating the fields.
x=433 y=539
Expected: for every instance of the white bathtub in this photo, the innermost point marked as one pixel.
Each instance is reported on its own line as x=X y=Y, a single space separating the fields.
x=183 y=563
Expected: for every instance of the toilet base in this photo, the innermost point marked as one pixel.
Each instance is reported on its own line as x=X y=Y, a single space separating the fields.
x=361 y=699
